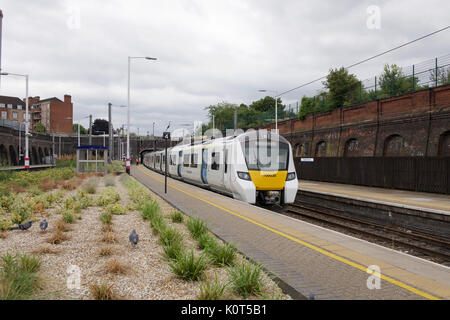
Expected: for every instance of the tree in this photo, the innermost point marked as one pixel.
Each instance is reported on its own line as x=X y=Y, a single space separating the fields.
x=82 y=129
x=393 y=81
x=342 y=88
x=100 y=126
x=39 y=127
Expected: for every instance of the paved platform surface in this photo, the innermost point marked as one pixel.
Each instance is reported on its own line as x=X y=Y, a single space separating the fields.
x=416 y=200
x=306 y=257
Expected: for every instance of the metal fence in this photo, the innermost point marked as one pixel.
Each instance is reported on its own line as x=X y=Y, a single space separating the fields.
x=429 y=174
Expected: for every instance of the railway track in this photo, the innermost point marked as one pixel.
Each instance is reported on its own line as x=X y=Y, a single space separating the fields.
x=430 y=246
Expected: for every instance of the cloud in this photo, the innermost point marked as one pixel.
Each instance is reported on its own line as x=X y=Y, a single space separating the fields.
x=208 y=51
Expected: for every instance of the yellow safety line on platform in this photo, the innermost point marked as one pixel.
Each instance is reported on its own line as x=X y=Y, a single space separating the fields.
x=313 y=247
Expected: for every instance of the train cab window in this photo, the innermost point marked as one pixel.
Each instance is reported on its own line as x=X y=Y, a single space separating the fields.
x=215 y=157
x=186 y=160
x=194 y=160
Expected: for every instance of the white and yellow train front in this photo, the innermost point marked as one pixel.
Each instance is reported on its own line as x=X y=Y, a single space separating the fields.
x=255 y=167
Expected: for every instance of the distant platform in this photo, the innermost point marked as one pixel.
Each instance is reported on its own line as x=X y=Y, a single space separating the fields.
x=406 y=199
x=19 y=168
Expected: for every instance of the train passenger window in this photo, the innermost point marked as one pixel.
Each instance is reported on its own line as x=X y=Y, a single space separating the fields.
x=194 y=160
x=215 y=161
x=186 y=160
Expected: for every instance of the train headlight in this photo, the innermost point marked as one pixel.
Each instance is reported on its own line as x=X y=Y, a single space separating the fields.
x=291 y=176
x=244 y=176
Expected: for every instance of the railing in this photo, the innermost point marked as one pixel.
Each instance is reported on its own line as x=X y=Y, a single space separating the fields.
x=421 y=174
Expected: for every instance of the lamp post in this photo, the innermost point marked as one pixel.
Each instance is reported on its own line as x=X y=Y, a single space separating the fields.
x=27 y=120
x=128 y=164
x=276 y=106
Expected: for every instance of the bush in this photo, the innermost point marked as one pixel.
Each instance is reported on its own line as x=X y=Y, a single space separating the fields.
x=22 y=209
x=169 y=235
x=246 y=279
x=205 y=240
x=196 y=227
x=189 y=268
x=108 y=196
x=115 y=209
x=68 y=216
x=90 y=187
x=212 y=290
x=174 y=250
x=106 y=218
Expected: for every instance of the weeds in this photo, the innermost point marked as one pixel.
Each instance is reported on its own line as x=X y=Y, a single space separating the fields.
x=109 y=237
x=116 y=267
x=205 y=240
x=58 y=237
x=115 y=209
x=108 y=196
x=221 y=255
x=174 y=250
x=168 y=236
x=106 y=218
x=68 y=216
x=149 y=210
x=106 y=252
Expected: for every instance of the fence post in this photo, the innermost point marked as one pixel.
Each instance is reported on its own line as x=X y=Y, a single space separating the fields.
x=413 y=79
x=360 y=92
x=436 y=73
x=392 y=86
x=375 y=87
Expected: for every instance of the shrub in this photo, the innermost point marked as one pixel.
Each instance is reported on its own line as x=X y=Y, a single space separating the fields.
x=196 y=227
x=246 y=279
x=177 y=217
x=68 y=216
x=189 y=268
x=106 y=218
x=158 y=224
x=110 y=181
x=115 y=209
x=90 y=187
x=22 y=209
x=58 y=237
x=212 y=290
x=205 y=240
x=109 y=195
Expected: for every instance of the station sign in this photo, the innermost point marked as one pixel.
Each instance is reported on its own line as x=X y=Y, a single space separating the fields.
x=166 y=135
x=307 y=160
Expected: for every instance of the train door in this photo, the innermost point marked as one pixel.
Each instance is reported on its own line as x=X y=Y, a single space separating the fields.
x=180 y=162
x=227 y=168
x=204 y=170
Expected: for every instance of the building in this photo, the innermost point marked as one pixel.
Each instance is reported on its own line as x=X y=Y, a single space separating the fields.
x=55 y=115
x=12 y=109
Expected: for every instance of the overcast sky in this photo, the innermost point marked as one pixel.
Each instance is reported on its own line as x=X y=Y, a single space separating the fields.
x=208 y=51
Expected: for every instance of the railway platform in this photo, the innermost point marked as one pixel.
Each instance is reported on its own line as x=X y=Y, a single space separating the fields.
x=428 y=202
x=306 y=258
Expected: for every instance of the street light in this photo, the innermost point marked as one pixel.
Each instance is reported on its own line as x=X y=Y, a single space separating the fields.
x=27 y=120
x=276 y=106
x=128 y=164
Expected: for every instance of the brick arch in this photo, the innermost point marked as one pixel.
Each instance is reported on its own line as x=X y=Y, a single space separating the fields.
x=321 y=149
x=3 y=155
x=352 y=148
x=394 y=146
x=13 y=156
x=41 y=155
x=444 y=144
x=34 y=156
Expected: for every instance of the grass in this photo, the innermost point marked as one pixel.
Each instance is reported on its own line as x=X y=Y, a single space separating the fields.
x=158 y=224
x=116 y=267
x=110 y=181
x=90 y=187
x=212 y=290
x=176 y=217
x=45 y=250
x=149 y=210
x=108 y=196
x=187 y=267
x=221 y=255
x=106 y=218
x=169 y=236
x=174 y=250
x=58 y=237
x=62 y=226
x=109 y=237
x=107 y=228
x=246 y=279
x=18 y=276
x=196 y=227
x=106 y=252
x=102 y=291
x=68 y=216
x=205 y=240
x=115 y=209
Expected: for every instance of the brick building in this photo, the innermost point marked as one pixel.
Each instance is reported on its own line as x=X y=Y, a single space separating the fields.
x=12 y=109
x=55 y=115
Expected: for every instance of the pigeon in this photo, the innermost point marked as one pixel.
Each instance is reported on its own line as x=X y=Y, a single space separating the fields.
x=134 y=238
x=23 y=226
x=43 y=225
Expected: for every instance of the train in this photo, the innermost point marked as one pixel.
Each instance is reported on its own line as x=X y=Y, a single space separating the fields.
x=256 y=167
